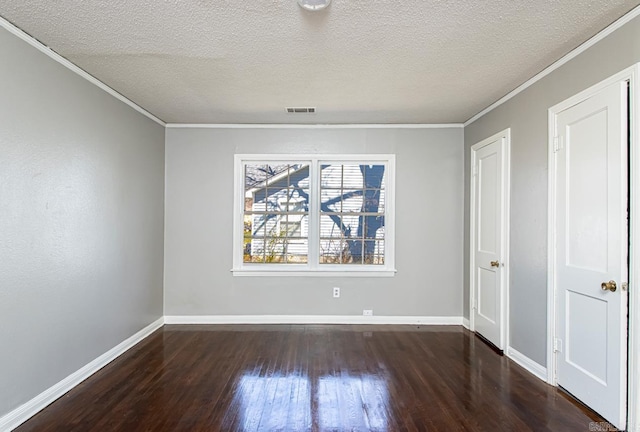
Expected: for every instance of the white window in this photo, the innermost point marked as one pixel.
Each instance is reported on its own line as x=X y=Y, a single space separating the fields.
x=314 y=215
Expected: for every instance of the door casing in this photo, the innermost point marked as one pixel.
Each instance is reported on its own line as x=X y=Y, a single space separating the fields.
x=629 y=75
x=505 y=138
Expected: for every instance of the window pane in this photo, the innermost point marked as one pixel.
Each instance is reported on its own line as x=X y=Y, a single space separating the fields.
x=331 y=200
x=350 y=222
x=378 y=253
x=352 y=176
x=297 y=251
x=331 y=227
x=352 y=207
x=342 y=176
x=276 y=213
x=332 y=251
x=352 y=200
x=373 y=227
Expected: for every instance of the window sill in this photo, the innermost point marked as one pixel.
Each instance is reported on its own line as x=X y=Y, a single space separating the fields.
x=260 y=272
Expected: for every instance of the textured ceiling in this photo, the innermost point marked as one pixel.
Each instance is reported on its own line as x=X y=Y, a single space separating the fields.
x=374 y=61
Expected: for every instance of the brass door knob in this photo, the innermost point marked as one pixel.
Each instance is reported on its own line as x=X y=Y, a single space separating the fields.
x=495 y=264
x=609 y=286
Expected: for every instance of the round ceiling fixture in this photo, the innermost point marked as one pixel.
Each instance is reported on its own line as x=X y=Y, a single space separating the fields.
x=313 y=5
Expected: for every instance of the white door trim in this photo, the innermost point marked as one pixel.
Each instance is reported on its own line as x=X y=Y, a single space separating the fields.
x=505 y=137
x=633 y=403
x=633 y=398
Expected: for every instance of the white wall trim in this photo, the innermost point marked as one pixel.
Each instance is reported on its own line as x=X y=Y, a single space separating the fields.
x=372 y=273
x=568 y=57
x=633 y=403
x=551 y=249
x=73 y=68
x=531 y=366
x=465 y=323
x=27 y=410
x=311 y=319
x=313 y=126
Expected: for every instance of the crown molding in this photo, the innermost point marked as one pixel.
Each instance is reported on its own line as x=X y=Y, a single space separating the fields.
x=312 y=126
x=73 y=68
x=633 y=13
x=556 y=65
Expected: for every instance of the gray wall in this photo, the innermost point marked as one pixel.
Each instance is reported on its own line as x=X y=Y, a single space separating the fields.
x=81 y=222
x=526 y=115
x=429 y=224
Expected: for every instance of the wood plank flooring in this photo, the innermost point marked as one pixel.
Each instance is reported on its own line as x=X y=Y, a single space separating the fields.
x=312 y=378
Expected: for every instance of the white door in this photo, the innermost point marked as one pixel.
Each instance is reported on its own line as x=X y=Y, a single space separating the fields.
x=591 y=244
x=488 y=234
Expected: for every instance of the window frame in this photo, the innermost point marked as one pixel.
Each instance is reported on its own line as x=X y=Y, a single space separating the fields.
x=313 y=266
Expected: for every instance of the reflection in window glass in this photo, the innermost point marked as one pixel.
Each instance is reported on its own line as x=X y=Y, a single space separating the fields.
x=352 y=214
x=276 y=213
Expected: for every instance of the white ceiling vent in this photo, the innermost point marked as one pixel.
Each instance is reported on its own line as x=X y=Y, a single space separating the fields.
x=300 y=110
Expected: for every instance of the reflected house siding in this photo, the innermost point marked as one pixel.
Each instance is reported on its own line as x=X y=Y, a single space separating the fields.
x=279 y=236
x=346 y=234
x=352 y=214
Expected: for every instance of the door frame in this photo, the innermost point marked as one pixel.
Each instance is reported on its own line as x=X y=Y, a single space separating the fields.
x=505 y=138
x=630 y=75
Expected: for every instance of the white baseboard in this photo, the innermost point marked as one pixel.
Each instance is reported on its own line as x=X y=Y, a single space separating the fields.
x=27 y=410
x=530 y=365
x=310 y=319
x=465 y=323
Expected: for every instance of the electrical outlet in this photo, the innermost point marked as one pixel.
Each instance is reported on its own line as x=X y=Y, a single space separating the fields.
x=367 y=312
x=336 y=292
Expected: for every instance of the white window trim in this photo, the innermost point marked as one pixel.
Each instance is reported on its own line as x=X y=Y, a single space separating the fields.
x=313 y=268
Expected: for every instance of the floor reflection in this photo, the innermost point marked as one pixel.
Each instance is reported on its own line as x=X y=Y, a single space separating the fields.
x=363 y=398
x=312 y=378
x=296 y=402
x=272 y=403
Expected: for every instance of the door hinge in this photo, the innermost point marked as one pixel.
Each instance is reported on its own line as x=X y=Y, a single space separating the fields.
x=557 y=345
x=558 y=144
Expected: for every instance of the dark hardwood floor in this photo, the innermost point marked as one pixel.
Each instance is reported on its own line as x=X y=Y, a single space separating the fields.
x=312 y=378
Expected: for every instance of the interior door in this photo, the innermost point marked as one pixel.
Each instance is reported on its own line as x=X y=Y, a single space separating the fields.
x=488 y=232
x=591 y=250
